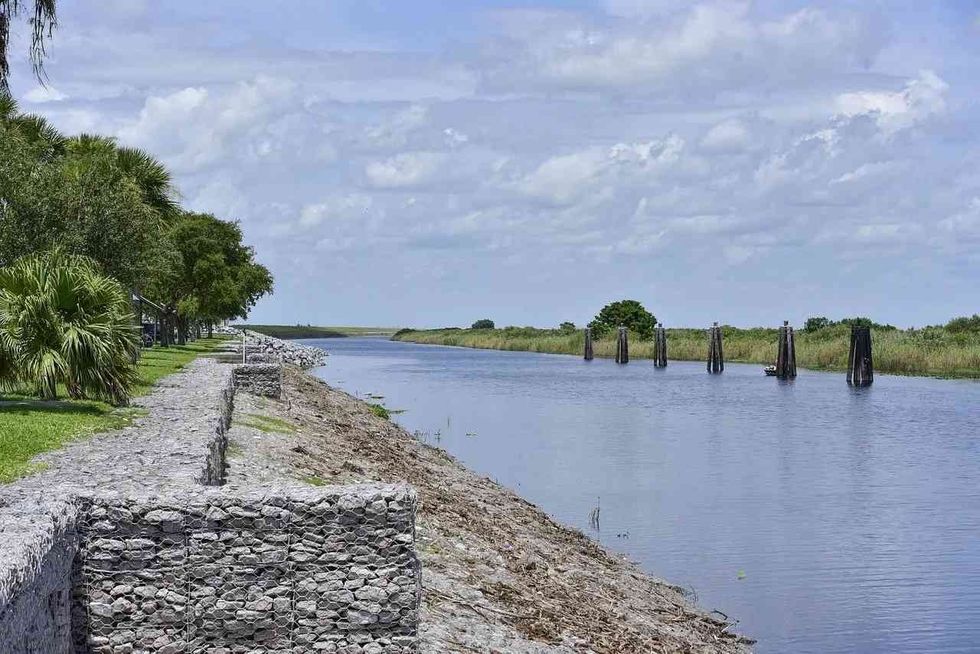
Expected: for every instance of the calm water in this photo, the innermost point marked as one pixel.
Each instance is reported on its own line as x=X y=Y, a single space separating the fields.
x=822 y=518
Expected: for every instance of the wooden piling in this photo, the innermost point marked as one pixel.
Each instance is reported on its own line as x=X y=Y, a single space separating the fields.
x=622 y=346
x=660 y=347
x=860 y=364
x=716 y=352
x=786 y=353
x=589 y=354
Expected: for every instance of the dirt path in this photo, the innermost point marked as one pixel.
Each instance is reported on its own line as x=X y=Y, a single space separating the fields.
x=498 y=574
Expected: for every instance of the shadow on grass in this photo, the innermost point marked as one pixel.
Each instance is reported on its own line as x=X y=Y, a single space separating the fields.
x=26 y=407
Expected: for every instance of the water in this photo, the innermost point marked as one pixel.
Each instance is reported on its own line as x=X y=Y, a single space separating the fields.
x=822 y=518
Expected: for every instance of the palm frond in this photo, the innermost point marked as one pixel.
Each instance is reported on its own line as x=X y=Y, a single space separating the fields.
x=63 y=322
x=151 y=176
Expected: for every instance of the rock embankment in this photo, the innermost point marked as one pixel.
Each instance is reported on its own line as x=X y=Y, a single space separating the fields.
x=304 y=356
x=498 y=574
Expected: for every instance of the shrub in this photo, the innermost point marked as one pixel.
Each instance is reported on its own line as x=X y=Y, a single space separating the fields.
x=62 y=322
x=485 y=323
x=815 y=323
x=964 y=324
x=566 y=327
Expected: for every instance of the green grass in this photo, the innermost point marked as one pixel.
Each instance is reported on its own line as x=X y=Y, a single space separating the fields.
x=312 y=331
x=932 y=351
x=29 y=427
x=313 y=480
x=267 y=424
x=380 y=411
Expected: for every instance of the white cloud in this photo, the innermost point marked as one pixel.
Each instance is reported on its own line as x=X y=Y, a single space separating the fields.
x=566 y=178
x=195 y=127
x=43 y=94
x=922 y=98
x=704 y=48
x=727 y=136
x=405 y=170
x=344 y=208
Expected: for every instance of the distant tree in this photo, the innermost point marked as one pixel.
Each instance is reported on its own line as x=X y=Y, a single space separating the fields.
x=567 y=327
x=815 y=323
x=485 y=323
x=624 y=313
x=861 y=321
x=964 y=324
x=42 y=20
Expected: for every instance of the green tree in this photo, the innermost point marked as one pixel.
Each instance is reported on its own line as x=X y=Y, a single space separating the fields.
x=84 y=195
x=566 y=327
x=624 y=313
x=485 y=323
x=205 y=272
x=42 y=19
x=964 y=324
x=62 y=322
x=816 y=323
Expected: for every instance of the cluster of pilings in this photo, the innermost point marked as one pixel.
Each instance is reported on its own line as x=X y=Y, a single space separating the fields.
x=786 y=353
x=860 y=366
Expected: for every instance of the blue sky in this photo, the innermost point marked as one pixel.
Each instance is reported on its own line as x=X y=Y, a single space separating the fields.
x=431 y=163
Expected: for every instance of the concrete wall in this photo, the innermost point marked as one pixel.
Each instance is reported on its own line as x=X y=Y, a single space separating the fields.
x=263 y=379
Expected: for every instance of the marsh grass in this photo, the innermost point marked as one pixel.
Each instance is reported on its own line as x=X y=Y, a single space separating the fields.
x=29 y=426
x=930 y=351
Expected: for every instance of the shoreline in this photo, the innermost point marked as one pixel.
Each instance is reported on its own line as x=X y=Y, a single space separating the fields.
x=498 y=573
x=606 y=350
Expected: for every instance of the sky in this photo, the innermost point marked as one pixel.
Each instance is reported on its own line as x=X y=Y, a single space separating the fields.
x=429 y=163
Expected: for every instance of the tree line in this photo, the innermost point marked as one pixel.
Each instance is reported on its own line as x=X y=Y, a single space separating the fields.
x=112 y=215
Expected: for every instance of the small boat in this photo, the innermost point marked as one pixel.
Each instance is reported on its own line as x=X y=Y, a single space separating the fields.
x=770 y=371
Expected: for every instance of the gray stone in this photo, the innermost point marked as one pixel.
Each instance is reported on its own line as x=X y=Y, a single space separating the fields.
x=128 y=543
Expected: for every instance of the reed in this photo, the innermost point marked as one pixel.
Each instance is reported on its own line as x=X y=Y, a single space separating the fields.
x=933 y=351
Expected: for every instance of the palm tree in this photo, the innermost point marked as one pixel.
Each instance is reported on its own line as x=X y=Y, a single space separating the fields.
x=43 y=20
x=64 y=323
x=46 y=142
x=150 y=176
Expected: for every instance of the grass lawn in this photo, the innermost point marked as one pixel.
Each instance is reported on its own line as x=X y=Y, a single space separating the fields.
x=29 y=427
